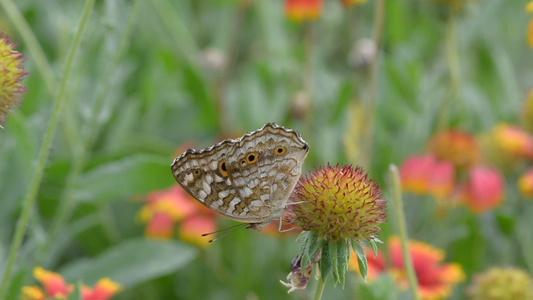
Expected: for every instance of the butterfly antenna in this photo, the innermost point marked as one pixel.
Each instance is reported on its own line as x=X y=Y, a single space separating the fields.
x=229 y=230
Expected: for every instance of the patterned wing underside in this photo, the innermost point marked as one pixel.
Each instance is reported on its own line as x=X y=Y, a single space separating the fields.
x=253 y=193
x=266 y=184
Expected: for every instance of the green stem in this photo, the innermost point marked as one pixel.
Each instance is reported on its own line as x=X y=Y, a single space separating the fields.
x=320 y=286
x=379 y=15
x=37 y=53
x=402 y=229
x=35 y=182
x=67 y=203
x=452 y=59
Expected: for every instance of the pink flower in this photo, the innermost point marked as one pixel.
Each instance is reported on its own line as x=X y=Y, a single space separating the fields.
x=484 y=189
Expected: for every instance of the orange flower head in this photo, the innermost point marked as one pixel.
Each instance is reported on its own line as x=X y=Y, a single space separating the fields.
x=11 y=74
x=525 y=184
x=338 y=203
x=423 y=174
x=501 y=283
x=456 y=146
x=414 y=173
x=104 y=289
x=192 y=228
x=484 y=189
x=527 y=110
x=53 y=283
x=303 y=10
x=160 y=226
x=514 y=140
x=436 y=280
x=164 y=208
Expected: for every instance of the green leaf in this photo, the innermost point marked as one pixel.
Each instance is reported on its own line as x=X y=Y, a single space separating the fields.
x=314 y=246
x=343 y=256
x=374 y=247
x=132 y=262
x=334 y=263
x=137 y=174
x=361 y=258
x=324 y=264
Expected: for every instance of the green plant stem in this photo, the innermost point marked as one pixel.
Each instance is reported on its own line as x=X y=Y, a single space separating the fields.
x=37 y=53
x=402 y=230
x=452 y=59
x=35 y=182
x=320 y=286
x=66 y=203
x=370 y=111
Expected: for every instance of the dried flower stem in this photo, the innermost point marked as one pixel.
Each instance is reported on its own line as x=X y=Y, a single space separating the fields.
x=402 y=230
x=29 y=200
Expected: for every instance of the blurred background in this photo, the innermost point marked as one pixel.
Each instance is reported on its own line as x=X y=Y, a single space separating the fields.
x=368 y=83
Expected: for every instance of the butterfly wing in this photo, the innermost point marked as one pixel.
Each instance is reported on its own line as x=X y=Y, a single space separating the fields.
x=203 y=174
x=264 y=166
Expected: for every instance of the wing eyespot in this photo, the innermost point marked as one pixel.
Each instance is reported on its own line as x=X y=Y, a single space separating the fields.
x=222 y=168
x=280 y=150
x=251 y=158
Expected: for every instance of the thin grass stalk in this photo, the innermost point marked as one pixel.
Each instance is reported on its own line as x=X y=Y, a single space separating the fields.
x=402 y=231
x=66 y=202
x=35 y=182
x=370 y=109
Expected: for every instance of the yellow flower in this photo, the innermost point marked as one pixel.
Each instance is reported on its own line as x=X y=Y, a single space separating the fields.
x=501 y=284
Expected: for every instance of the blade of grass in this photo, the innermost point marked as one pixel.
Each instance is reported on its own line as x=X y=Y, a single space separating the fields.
x=35 y=182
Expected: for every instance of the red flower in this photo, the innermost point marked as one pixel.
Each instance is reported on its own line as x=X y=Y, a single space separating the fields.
x=484 y=189
x=423 y=174
x=55 y=287
x=303 y=10
x=435 y=279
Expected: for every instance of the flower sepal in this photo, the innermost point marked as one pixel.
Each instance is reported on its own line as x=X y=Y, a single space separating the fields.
x=334 y=256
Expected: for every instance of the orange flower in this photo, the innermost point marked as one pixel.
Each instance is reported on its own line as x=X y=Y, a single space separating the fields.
x=525 y=183
x=423 y=174
x=102 y=290
x=435 y=279
x=55 y=287
x=164 y=208
x=53 y=283
x=456 y=146
x=303 y=10
x=514 y=140
x=192 y=228
x=484 y=189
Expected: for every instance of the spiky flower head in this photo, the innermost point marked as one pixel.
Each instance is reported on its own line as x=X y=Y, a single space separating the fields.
x=338 y=203
x=338 y=208
x=11 y=74
x=501 y=284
